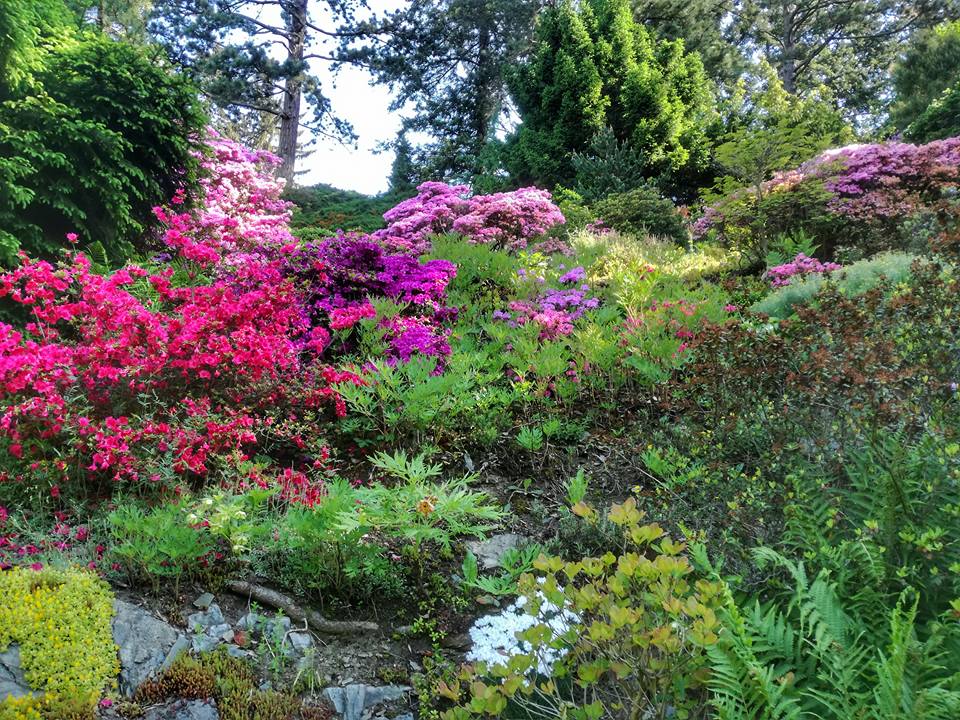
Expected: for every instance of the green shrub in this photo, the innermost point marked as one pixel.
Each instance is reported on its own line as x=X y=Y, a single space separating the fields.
x=344 y=543
x=853 y=280
x=159 y=544
x=643 y=211
x=99 y=135
x=940 y=120
x=633 y=642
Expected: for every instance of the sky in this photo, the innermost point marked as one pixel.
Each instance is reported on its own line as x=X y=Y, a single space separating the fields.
x=344 y=166
x=366 y=106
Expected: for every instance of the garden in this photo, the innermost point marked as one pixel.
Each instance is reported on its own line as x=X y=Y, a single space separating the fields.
x=621 y=417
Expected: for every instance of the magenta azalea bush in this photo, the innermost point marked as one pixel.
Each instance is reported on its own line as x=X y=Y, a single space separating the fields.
x=554 y=310
x=138 y=376
x=507 y=220
x=217 y=360
x=866 y=195
x=801 y=265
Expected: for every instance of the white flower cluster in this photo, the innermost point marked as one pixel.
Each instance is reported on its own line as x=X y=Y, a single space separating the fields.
x=495 y=636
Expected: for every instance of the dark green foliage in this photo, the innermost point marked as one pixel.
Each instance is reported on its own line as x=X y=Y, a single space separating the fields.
x=591 y=67
x=99 y=134
x=700 y=25
x=321 y=210
x=607 y=167
x=822 y=654
x=447 y=60
x=846 y=45
x=642 y=211
x=927 y=69
x=940 y=120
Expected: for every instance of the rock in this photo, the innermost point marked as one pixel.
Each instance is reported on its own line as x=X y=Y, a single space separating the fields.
x=236 y=652
x=251 y=621
x=218 y=631
x=179 y=647
x=12 y=682
x=184 y=710
x=204 y=601
x=277 y=627
x=458 y=641
x=144 y=642
x=490 y=551
x=300 y=640
x=204 y=643
x=352 y=700
x=208 y=618
x=228 y=636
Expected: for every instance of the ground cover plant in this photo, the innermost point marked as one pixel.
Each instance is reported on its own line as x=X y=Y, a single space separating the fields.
x=620 y=448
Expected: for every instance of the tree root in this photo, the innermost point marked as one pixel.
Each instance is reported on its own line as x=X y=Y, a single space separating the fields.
x=314 y=620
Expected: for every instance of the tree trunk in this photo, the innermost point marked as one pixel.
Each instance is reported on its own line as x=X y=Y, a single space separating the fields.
x=293 y=87
x=486 y=88
x=788 y=65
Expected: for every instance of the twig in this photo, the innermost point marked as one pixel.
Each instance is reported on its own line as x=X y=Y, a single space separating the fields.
x=314 y=620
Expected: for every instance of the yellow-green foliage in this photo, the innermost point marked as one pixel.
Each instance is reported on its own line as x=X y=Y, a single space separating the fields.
x=619 y=256
x=638 y=649
x=61 y=621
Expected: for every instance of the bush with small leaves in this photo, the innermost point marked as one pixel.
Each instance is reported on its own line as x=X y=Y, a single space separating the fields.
x=636 y=649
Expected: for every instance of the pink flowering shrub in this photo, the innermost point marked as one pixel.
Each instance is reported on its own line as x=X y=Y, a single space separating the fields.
x=242 y=209
x=507 y=220
x=137 y=377
x=866 y=194
x=554 y=310
x=782 y=275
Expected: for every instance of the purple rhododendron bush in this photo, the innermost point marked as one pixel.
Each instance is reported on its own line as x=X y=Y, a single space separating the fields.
x=854 y=201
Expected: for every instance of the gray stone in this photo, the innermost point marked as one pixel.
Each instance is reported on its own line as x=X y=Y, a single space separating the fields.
x=489 y=552
x=300 y=640
x=182 y=644
x=218 y=631
x=204 y=601
x=228 y=637
x=352 y=700
x=236 y=651
x=184 y=710
x=12 y=682
x=208 y=618
x=144 y=643
x=277 y=627
x=204 y=643
x=251 y=621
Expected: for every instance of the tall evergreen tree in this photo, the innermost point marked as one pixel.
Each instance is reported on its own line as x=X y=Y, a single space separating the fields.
x=847 y=45
x=403 y=171
x=927 y=67
x=446 y=61
x=593 y=66
x=252 y=58
x=704 y=27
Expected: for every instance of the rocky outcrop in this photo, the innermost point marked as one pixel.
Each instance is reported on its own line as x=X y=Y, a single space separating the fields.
x=146 y=643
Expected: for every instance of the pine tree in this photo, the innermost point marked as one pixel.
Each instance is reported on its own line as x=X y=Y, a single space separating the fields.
x=224 y=46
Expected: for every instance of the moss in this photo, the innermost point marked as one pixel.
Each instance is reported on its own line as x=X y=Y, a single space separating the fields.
x=61 y=621
x=232 y=683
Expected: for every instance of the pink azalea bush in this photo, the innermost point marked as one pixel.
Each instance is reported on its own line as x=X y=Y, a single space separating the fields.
x=801 y=265
x=138 y=376
x=554 y=310
x=508 y=220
